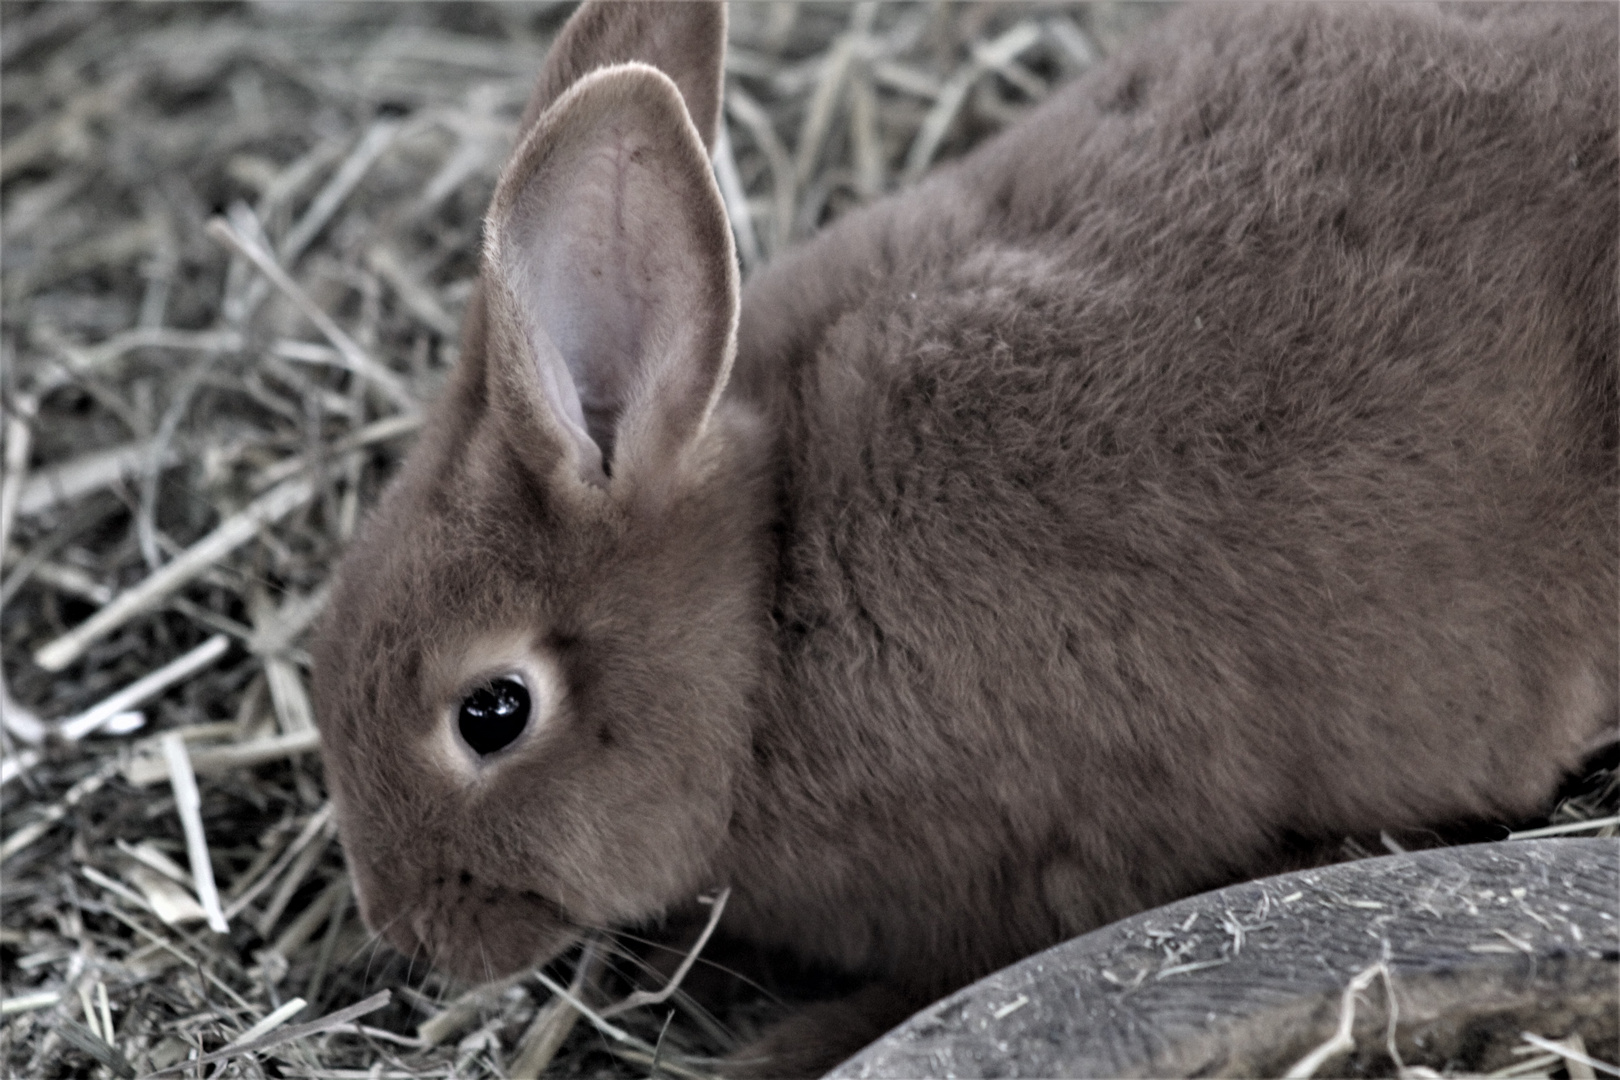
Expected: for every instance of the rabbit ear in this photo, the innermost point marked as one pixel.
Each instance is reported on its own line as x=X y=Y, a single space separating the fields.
x=611 y=283
x=686 y=41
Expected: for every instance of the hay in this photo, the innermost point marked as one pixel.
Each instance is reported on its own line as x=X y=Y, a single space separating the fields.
x=236 y=243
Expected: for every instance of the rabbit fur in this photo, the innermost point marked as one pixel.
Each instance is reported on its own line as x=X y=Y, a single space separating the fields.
x=1222 y=459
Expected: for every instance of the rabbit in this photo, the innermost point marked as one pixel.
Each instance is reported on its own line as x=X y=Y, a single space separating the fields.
x=1222 y=459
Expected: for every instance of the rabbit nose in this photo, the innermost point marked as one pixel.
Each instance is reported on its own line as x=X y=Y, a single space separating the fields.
x=494 y=715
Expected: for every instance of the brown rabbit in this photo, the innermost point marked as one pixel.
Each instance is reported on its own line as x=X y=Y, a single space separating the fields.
x=1222 y=459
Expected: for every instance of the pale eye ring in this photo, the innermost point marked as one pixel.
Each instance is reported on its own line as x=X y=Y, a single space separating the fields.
x=494 y=715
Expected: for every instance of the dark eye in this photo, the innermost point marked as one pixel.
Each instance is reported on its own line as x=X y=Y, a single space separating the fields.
x=492 y=716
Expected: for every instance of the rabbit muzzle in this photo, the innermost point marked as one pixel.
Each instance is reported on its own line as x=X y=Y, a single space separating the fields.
x=473 y=928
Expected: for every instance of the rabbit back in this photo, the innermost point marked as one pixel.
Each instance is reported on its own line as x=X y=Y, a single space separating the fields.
x=1222 y=458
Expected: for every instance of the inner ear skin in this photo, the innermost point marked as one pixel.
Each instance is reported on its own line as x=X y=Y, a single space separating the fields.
x=601 y=418
x=600 y=260
x=611 y=241
x=588 y=297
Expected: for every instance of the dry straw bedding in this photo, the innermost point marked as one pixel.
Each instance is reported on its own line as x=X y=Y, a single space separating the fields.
x=236 y=242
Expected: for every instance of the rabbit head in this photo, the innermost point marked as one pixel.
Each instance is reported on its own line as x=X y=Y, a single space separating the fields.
x=533 y=680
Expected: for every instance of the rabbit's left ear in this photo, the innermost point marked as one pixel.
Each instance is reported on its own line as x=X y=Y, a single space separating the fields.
x=685 y=39
x=611 y=285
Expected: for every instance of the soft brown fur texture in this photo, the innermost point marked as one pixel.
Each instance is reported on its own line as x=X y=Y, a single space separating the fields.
x=1224 y=458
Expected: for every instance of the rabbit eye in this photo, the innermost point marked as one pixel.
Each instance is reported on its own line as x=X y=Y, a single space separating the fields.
x=493 y=715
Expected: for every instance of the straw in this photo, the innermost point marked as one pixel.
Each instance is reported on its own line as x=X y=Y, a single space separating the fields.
x=189 y=805
x=142 y=689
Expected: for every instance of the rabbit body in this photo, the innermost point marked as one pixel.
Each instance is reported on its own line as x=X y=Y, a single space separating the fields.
x=1225 y=454
x=1223 y=458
